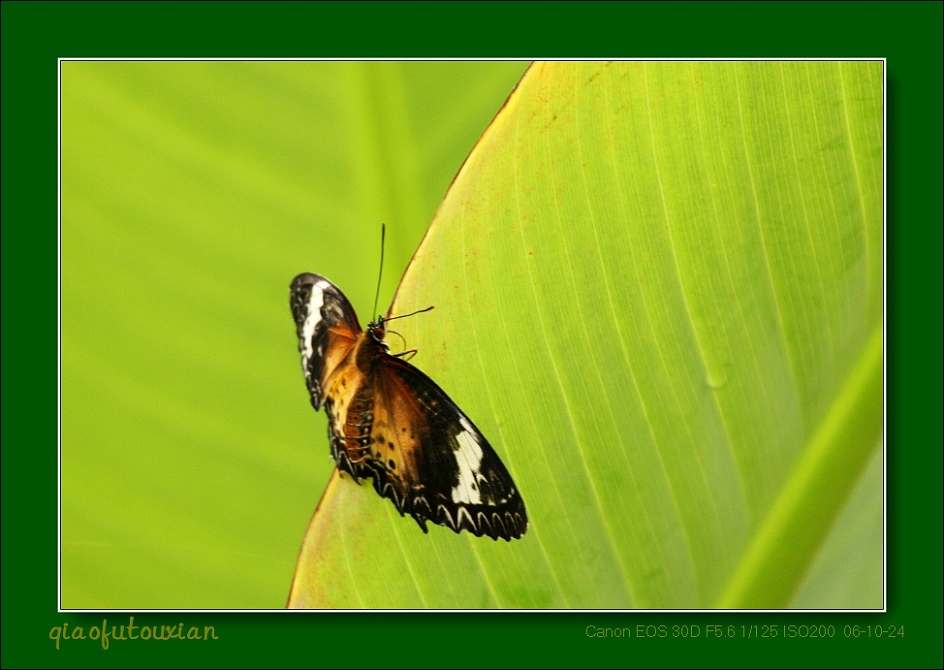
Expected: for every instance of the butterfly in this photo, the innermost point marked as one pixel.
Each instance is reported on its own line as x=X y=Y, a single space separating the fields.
x=389 y=422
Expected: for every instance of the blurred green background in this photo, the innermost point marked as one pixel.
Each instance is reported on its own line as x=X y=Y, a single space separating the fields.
x=191 y=194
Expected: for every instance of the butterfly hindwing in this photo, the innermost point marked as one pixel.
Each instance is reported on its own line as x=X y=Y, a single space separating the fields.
x=389 y=422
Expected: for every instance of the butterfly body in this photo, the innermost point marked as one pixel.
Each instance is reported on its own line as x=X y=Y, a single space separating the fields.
x=389 y=422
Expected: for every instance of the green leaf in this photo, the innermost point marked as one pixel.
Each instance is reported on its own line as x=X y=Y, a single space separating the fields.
x=658 y=292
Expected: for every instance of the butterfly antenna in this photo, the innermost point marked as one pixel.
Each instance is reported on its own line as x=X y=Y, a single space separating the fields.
x=403 y=316
x=383 y=235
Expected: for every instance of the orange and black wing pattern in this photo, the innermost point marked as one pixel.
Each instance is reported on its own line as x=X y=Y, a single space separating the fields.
x=328 y=332
x=389 y=422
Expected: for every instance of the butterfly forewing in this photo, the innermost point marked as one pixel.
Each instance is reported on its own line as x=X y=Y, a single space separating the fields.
x=457 y=475
x=327 y=329
x=389 y=422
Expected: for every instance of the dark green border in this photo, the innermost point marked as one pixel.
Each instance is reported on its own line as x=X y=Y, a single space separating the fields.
x=907 y=34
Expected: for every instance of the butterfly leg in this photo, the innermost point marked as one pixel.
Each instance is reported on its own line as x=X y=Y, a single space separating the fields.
x=409 y=352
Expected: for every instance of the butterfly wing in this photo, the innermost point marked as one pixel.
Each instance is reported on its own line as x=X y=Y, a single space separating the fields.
x=328 y=331
x=428 y=457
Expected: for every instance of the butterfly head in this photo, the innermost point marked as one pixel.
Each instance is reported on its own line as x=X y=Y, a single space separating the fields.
x=377 y=331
